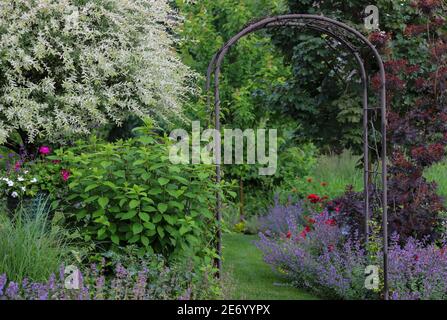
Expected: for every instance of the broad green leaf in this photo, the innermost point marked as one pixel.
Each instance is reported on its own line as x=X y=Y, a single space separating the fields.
x=177 y=204
x=183 y=230
x=98 y=213
x=203 y=175
x=119 y=173
x=90 y=187
x=144 y=241
x=115 y=239
x=163 y=181
x=174 y=169
x=149 y=225
x=134 y=239
x=106 y=164
x=134 y=203
x=137 y=228
x=101 y=232
x=155 y=191
x=161 y=232
x=148 y=200
x=109 y=184
x=157 y=218
x=139 y=162
x=162 y=207
x=103 y=201
x=156 y=166
x=144 y=216
x=170 y=219
x=129 y=215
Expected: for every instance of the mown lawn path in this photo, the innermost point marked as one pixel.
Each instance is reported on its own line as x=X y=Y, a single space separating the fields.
x=251 y=277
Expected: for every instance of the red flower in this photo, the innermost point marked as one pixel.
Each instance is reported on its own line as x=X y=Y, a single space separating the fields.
x=65 y=174
x=330 y=222
x=337 y=209
x=56 y=161
x=419 y=83
x=324 y=184
x=413 y=69
x=313 y=198
x=289 y=234
x=309 y=180
x=330 y=247
x=437 y=21
x=305 y=231
x=17 y=166
x=414 y=29
x=427 y=6
x=396 y=66
x=379 y=38
x=311 y=221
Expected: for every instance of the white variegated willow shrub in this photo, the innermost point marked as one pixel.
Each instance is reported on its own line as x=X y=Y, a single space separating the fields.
x=67 y=66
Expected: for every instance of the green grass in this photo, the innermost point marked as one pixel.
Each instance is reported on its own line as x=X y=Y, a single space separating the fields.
x=438 y=173
x=252 y=277
x=338 y=171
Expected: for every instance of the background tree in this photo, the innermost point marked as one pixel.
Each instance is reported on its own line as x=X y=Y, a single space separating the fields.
x=69 y=66
x=250 y=73
x=413 y=42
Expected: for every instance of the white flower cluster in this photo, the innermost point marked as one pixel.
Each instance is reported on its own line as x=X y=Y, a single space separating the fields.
x=68 y=66
x=14 y=187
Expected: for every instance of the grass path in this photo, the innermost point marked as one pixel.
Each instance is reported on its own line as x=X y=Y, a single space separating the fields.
x=252 y=278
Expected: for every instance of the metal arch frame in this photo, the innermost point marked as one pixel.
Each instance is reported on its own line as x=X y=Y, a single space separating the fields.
x=342 y=33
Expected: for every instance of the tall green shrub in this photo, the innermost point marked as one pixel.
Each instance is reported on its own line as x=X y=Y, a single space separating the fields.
x=129 y=192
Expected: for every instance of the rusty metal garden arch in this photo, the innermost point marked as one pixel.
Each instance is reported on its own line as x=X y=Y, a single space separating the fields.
x=348 y=37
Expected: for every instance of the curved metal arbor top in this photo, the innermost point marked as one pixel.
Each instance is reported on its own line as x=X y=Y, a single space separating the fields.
x=354 y=41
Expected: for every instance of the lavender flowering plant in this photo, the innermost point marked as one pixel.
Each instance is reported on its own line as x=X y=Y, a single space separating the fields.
x=280 y=217
x=152 y=279
x=326 y=260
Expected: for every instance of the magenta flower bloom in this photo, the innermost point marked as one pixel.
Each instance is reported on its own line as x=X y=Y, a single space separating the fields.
x=17 y=166
x=44 y=150
x=65 y=174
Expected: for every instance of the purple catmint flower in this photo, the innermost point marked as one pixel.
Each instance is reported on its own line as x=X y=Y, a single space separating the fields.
x=62 y=273
x=52 y=282
x=121 y=272
x=12 y=291
x=43 y=292
x=100 y=288
x=281 y=218
x=3 y=280
x=158 y=282
x=139 y=289
x=331 y=263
